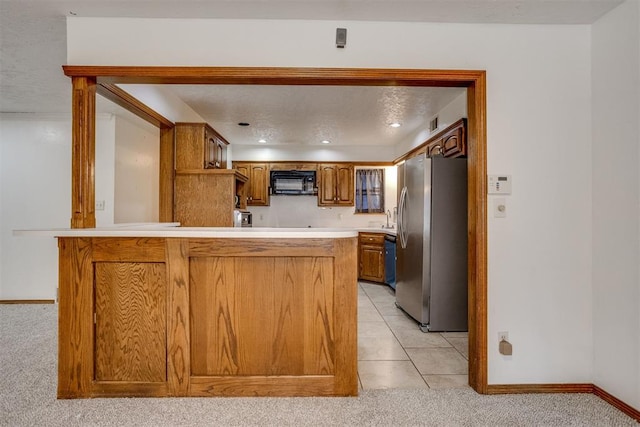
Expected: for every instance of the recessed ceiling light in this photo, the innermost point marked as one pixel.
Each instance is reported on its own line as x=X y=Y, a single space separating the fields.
x=326 y=141
x=394 y=125
x=243 y=124
x=262 y=141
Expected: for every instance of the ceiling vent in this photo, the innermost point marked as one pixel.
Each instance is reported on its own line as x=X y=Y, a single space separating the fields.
x=433 y=124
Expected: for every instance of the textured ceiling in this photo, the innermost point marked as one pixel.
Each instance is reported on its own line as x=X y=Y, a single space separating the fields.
x=33 y=47
x=344 y=115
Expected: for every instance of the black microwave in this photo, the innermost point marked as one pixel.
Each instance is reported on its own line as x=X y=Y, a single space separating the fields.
x=293 y=182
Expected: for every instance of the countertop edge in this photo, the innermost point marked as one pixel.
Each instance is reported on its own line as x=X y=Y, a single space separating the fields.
x=194 y=232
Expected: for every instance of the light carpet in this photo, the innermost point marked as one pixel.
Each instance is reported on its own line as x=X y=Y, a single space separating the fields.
x=28 y=347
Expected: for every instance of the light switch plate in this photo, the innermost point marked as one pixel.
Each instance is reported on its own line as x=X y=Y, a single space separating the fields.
x=499 y=184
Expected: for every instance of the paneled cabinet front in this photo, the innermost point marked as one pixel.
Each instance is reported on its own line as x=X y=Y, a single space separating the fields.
x=258 y=174
x=335 y=184
x=371 y=257
x=199 y=146
x=207 y=317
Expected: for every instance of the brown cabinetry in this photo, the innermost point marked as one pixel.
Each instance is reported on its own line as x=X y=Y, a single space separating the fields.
x=450 y=143
x=371 y=257
x=199 y=146
x=207 y=316
x=207 y=198
x=258 y=184
x=335 y=184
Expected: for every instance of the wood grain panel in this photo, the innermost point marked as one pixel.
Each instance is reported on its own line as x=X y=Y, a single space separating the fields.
x=178 y=360
x=83 y=146
x=128 y=389
x=128 y=249
x=75 y=318
x=130 y=322
x=262 y=316
x=263 y=386
x=190 y=145
x=260 y=247
x=205 y=199
x=214 y=337
x=319 y=315
x=346 y=317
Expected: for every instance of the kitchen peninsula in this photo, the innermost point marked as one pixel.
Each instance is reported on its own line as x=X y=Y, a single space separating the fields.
x=177 y=311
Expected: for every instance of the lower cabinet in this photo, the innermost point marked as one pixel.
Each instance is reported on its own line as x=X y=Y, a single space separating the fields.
x=371 y=257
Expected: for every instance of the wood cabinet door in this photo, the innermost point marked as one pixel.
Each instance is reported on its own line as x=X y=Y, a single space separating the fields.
x=344 y=185
x=210 y=152
x=221 y=154
x=335 y=185
x=258 y=184
x=453 y=143
x=327 y=184
x=372 y=263
x=130 y=322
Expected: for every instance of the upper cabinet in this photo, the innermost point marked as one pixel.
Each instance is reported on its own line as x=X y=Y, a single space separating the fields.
x=258 y=185
x=199 y=146
x=335 y=184
x=450 y=142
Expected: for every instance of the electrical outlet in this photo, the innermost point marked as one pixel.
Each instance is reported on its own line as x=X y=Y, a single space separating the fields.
x=100 y=205
x=503 y=336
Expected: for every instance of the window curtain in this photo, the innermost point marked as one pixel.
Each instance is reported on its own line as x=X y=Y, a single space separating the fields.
x=370 y=190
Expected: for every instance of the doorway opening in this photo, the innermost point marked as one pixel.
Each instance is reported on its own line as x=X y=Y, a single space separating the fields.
x=85 y=79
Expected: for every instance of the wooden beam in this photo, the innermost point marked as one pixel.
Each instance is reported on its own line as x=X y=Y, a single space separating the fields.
x=477 y=232
x=167 y=173
x=83 y=152
x=129 y=103
x=274 y=76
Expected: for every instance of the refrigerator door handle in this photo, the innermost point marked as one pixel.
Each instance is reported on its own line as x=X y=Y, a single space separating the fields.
x=401 y=218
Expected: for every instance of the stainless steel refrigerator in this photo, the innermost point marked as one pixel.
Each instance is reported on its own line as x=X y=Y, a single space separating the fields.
x=431 y=270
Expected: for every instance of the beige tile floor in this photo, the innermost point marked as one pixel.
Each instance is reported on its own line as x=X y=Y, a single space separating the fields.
x=394 y=353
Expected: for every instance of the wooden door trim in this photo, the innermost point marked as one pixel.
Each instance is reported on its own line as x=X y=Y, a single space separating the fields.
x=473 y=80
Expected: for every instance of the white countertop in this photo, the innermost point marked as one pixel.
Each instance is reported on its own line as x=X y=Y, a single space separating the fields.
x=171 y=230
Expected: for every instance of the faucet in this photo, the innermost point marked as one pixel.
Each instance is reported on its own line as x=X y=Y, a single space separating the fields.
x=388 y=215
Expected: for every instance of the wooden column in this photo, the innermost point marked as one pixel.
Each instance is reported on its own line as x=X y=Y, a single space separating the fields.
x=83 y=161
x=477 y=235
x=167 y=172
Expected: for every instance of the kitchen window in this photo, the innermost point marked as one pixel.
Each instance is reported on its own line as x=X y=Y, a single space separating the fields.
x=370 y=191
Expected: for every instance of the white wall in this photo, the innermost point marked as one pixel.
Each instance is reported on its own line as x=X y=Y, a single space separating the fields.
x=164 y=102
x=137 y=168
x=35 y=192
x=539 y=131
x=313 y=154
x=616 y=197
